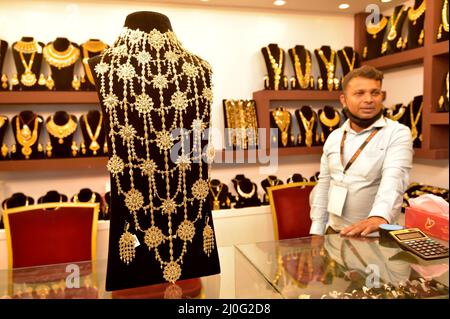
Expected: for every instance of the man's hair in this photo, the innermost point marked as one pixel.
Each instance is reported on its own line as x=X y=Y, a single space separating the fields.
x=366 y=71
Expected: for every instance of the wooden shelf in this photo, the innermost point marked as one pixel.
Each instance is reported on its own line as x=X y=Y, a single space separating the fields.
x=440 y=48
x=438 y=118
x=434 y=154
x=57 y=164
x=48 y=97
x=292 y=95
x=409 y=57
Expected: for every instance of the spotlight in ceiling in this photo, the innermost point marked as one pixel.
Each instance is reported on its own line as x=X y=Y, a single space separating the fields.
x=279 y=2
x=344 y=6
x=386 y=1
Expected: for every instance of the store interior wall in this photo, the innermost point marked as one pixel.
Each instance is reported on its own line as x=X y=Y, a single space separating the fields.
x=230 y=40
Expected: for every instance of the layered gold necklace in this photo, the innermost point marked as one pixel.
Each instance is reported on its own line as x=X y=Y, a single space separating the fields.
x=393 y=22
x=28 y=78
x=302 y=79
x=308 y=125
x=61 y=131
x=93 y=146
x=25 y=137
x=329 y=65
x=61 y=59
x=413 y=15
x=277 y=66
x=282 y=119
x=144 y=63
x=414 y=120
x=351 y=64
x=91 y=46
x=373 y=29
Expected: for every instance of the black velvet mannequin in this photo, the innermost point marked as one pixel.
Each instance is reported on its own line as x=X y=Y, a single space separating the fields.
x=301 y=52
x=275 y=52
x=61 y=150
x=296 y=178
x=35 y=68
x=27 y=117
x=3 y=129
x=246 y=186
x=374 y=42
x=308 y=113
x=144 y=269
x=395 y=112
x=290 y=139
x=269 y=182
x=415 y=28
x=443 y=34
x=3 y=50
x=106 y=212
x=85 y=195
x=323 y=70
x=93 y=118
x=416 y=103
x=85 y=54
x=63 y=77
x=52 y=197
x=393 y=45
x=222 y=194
x=314 y=178
x=443 y=105
x=17 y=200
x=344 y=64
x=330 y=113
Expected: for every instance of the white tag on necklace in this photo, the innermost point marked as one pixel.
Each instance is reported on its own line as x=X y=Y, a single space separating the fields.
x=136 y=241
x=336 y=198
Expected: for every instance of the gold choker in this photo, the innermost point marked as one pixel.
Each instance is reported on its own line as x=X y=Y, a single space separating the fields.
x=61 y=131
x=61 y=59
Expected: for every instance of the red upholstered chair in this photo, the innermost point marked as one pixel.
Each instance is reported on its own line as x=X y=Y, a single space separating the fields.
x=51 y=233
x=290 y=209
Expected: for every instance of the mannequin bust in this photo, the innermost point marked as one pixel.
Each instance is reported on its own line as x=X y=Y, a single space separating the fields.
x=27 y=127
x=219 y=195
x=314 y=178
x=174 y=92
x=92 y=129
x=27 y=54
x=61 y=128
x=52 y=197
x=3 y=128
x=416 y=19
x=308 y=124
x=274 y=57
x=443 y=29
x=4 y=85
x=394 y=40
x=349 y=59
x=302 y=61
x=62 y=55
x=247 y=193
x=86 y=195
x=106 y=213
x=374 y=38
x=269 y=181
x=296 y=178
x=398 y=113
x=17 y=200
x=326 y=58
x=329 y=120
x=89 y=49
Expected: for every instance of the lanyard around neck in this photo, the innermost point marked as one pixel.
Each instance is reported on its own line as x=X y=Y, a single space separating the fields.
x=358 y=151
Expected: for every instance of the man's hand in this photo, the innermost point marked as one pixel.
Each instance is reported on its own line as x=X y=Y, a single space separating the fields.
x=364 y=227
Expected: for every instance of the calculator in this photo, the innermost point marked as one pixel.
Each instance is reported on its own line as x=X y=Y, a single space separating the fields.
x=416 y=242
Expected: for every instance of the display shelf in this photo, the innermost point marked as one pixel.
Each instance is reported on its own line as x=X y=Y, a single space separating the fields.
x=293 y=95
x=435 y=154
x=439 y=118
x=48 y=97
x=440 y=48
x=405 y=58
x=57 y=164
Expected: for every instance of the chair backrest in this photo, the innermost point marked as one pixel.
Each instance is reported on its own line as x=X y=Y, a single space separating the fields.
x=51 y=233
x=290 y=209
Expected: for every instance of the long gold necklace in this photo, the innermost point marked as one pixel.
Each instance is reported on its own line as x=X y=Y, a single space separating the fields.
x=92 y=47
x=397 y=116
x=276 y=66
x=394 y=21
x=25 y=137
x=216 y=202
x=61 y=131
x=93 y=146
x=330 y=123
x=282 y=119
x=308 y=125
x=415 y=120
x=374 y=29
x=329 y=64
x=413 y=15
x=444 y=16
x=61 y=59
x=351 y=65
x=303 y=79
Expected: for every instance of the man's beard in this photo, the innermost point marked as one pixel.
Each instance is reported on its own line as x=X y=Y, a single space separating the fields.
x=364 y=123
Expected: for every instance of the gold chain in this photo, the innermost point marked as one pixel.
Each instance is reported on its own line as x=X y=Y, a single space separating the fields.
x=93 y=146
x=276 y=66
x=330 y=122
x=351 y=65
x=375 y=29
x=303 y=79
x=282 y=120
x=394 y=21
x=61 y=131
x=415 y=120
x=308 y=125
x=25 y=138
x=444 y=16
x=413 y=15
x=329 y=64
x=61 y=59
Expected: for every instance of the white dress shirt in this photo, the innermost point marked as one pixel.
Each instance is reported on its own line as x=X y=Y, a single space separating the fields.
x=375 y=181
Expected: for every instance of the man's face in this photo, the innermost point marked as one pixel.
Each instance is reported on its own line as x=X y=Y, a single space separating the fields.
x=363 y=97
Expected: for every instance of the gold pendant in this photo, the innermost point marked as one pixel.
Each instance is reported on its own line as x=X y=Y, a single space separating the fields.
x=50 y=83
x=399 y=43
x=308 y=139
x=216 y=204
x=365 y=52
x=421 y=36
x=25 y=132
x=126 y=246
x=384 y=47
x=26 y=151
x=28 y=78
x=4 y=81
x=49 y=149
x=330 y=84
x=42 y=80
x=94 y=147
x=4 y=150
x=441 y=102
x=392 y=34
x=74 y=148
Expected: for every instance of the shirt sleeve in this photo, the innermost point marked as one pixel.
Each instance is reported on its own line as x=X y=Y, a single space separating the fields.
x=319 y=199
x=394 y=176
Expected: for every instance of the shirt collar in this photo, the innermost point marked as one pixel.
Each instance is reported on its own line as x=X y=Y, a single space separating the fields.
x=381 y=122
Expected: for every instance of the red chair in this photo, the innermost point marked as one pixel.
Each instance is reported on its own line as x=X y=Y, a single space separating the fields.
x=51 y=233
x=290 y=209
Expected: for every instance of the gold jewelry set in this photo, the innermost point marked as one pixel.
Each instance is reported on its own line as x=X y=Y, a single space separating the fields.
x=414 y=121
x=25 y=137
x=277 y=69
x=373 y=30
x=442 y=98
x=93 y=145
x=215 y=192
x=302 y=80
x=158 y=59
x=241 y=123
x=60 y=60
x=330 y=65
x=282 y=119
x=444 y=25
x=27 y=78
x=331 y=124
x=414 y=15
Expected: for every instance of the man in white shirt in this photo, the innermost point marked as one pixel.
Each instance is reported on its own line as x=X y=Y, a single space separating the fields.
x=365 y=165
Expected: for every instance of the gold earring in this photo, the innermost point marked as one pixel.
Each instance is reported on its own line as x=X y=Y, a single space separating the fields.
x=4 y=150
x=365 y=53
x=13 y=149
x=49 y=149
x=208 y=238
x=76 y=83
x=311 y=83
x=50 y=83
x=421 y=36
x=42 y=80
x=14 y=80
x=336 y=84
x=40 y=148
x=320 y=83
x=399 y=43
x=105 y=148
x=74 y=148
x=439 y=35
x=83 y=148
x=4 y=81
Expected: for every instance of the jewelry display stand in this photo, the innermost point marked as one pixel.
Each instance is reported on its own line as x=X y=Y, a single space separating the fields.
x=61 y=129
x=91 y=125
x=274 y=56
x=394 y=40
x=27 y=128
x=416 y=19
x=52 y=197
x=281 y=118
x=349 y=59
x=27 y=54
x=327 y=59
x=374 y=38
x=301 y=59
x=4 y=83
x=269 y=181
x=330 y=120
x=308 y=124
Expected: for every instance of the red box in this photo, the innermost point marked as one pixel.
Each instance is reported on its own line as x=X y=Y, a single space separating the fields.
x=432 y=224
